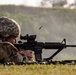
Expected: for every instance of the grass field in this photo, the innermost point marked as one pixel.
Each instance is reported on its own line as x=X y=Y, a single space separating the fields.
x=38 y=69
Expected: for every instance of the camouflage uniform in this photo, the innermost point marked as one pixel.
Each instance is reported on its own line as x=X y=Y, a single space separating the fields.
x=8 y=52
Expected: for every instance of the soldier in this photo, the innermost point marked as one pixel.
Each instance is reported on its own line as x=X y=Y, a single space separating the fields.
x=9 y=31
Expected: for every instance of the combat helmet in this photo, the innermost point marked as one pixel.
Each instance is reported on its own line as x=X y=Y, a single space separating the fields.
x=9 y=27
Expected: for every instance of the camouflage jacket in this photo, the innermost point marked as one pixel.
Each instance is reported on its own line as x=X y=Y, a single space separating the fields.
x=9 y=53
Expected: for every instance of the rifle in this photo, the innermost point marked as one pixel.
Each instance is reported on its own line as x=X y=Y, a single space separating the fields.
x=38 y=46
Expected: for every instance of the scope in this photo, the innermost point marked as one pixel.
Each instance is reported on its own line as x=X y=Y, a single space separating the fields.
x=28 y=37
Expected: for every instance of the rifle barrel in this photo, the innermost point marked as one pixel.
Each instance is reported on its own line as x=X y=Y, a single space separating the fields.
x=70 y=45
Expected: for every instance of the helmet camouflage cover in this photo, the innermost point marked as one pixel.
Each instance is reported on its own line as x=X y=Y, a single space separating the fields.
x=9 y=27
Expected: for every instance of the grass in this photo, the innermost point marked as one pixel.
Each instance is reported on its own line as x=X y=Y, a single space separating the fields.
x=38 y=69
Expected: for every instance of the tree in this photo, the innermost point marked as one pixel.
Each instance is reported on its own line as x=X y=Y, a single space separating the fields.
x=51 y=3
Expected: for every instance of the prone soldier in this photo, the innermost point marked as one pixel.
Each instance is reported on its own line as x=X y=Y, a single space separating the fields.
x=9 y=31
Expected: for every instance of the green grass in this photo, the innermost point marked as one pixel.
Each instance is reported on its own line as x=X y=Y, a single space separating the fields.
x=38 y=69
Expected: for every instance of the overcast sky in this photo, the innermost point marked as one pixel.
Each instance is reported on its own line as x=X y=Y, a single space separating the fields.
x=26 y=2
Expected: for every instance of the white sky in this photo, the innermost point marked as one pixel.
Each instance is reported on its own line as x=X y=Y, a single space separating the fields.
x=24 y=2
x=32 y=2
x=70 y=1
x=27 y=2
x=10 y=1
